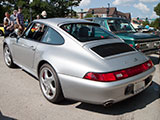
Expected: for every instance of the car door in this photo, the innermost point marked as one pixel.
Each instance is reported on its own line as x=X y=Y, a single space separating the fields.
x=25 y=47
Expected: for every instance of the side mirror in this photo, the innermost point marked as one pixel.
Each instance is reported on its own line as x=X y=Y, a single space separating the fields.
x=13 y=35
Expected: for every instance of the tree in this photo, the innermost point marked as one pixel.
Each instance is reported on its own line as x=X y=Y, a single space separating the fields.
x=156 y=23
x=88 y=15
x=144 y=23
x=157 y=9
x=54 y=8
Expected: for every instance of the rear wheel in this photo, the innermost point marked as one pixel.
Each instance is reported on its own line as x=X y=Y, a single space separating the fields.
x=8 y=57
x=49 y=84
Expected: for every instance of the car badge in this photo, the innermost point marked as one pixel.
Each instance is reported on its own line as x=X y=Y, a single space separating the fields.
x=135 y=59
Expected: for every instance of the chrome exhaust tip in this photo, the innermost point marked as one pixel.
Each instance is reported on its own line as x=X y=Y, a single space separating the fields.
x=108 y=103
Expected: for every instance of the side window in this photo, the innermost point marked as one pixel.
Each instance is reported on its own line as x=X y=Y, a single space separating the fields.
x=35 y=32
x=53 y=37
x=97 y=21
x=102 y=23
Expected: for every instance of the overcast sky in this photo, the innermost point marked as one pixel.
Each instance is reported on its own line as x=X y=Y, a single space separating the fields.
x=137 y=8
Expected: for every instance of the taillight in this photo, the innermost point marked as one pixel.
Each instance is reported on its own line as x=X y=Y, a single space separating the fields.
x=119 y=75
x=131 y=45
x=107 y=77
x=137 y=46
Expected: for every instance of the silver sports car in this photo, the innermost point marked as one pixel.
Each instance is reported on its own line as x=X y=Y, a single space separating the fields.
x=77 y=59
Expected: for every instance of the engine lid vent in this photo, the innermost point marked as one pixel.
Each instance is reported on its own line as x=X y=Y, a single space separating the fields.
x=112 y=49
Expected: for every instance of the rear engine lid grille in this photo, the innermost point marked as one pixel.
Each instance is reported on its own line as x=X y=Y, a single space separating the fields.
x=112 y=49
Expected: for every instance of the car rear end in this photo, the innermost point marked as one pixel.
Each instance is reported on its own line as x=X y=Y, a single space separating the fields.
x=124 y=73
x=121 y=71
x=129 y=72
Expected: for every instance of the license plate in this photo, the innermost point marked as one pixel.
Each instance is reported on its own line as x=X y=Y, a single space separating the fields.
x=139 y=86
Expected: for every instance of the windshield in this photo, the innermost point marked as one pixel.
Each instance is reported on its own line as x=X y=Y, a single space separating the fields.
x=85 y=32
x=120 y=25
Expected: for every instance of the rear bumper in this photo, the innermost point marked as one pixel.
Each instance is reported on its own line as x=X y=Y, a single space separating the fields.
x=101 y=92
x=150 y=51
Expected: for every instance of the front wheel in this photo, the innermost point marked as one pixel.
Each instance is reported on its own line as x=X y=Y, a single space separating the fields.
x=8 y=57
x=49 y=84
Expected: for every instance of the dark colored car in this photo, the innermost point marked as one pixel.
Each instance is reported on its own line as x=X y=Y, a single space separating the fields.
x=145 y=42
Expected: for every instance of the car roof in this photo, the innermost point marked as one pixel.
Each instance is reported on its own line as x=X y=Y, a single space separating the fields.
x=108 y=18
x=61 y=21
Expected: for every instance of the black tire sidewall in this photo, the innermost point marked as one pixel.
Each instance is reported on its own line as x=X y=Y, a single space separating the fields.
x=1 y=33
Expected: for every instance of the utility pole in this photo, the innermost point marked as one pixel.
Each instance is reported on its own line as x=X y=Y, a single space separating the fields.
x=30 y=10
x=71 y=12
x=108 y=9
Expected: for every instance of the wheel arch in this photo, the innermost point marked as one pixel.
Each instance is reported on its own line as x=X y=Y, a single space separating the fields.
x=4 y=44
x=42 y=62
x=39 y=66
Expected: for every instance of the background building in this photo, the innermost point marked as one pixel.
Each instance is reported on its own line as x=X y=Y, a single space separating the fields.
x=106 y=12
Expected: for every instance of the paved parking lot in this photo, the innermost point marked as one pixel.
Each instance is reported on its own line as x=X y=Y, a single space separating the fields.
x=21 y=98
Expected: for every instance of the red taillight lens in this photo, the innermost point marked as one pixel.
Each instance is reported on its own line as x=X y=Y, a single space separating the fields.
x=137 y=46
x=131 y=45
x=118 y=75
x=108 y=77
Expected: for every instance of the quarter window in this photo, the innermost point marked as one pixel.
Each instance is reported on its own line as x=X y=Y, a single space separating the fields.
x=53 y=37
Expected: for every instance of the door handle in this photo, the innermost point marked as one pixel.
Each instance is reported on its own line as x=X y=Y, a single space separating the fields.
x=33 y=48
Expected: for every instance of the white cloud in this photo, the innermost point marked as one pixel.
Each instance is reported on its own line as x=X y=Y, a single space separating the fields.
x=122 y=2
x=85 y=2
x=148 y=0
x=142 y=7
x=154 y=15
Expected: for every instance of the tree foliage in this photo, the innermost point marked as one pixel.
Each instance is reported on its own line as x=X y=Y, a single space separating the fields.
x=54 y=8
x=157 y=9
x=156 y=23
x=89 y=15
x=144 y=23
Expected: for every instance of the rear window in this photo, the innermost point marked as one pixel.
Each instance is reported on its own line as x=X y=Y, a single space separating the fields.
x=85 y=32
x=112 y=49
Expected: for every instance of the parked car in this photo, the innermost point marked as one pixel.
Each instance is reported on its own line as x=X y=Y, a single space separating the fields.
x=77 y=59
x=144 y=42
x=1 y=30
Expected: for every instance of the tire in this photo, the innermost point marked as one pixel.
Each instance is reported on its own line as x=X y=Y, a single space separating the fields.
x=49 y=84
x=1 y=33
x=8 y=57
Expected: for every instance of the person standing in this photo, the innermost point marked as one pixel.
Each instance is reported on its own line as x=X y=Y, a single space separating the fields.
x=38 y=17
x=44 y=15
x=26 y=23
x=8 y=24
x=14 y=17
x=20 y=19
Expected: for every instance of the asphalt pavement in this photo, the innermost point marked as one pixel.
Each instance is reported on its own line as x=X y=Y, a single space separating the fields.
x=21 y=99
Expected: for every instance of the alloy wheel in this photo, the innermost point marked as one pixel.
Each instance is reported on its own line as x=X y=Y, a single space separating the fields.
x=7 y=56
x=47 y=82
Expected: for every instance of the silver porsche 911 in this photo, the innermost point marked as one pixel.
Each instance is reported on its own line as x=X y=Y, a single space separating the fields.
x=77 y=59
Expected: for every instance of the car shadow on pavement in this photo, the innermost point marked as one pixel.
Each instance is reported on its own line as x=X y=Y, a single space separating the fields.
x=68 y=102
x=2 y=117
x=155 y=60
x=139 y=101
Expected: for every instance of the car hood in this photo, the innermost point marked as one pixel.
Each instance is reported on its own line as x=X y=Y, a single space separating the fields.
x=134 y=36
